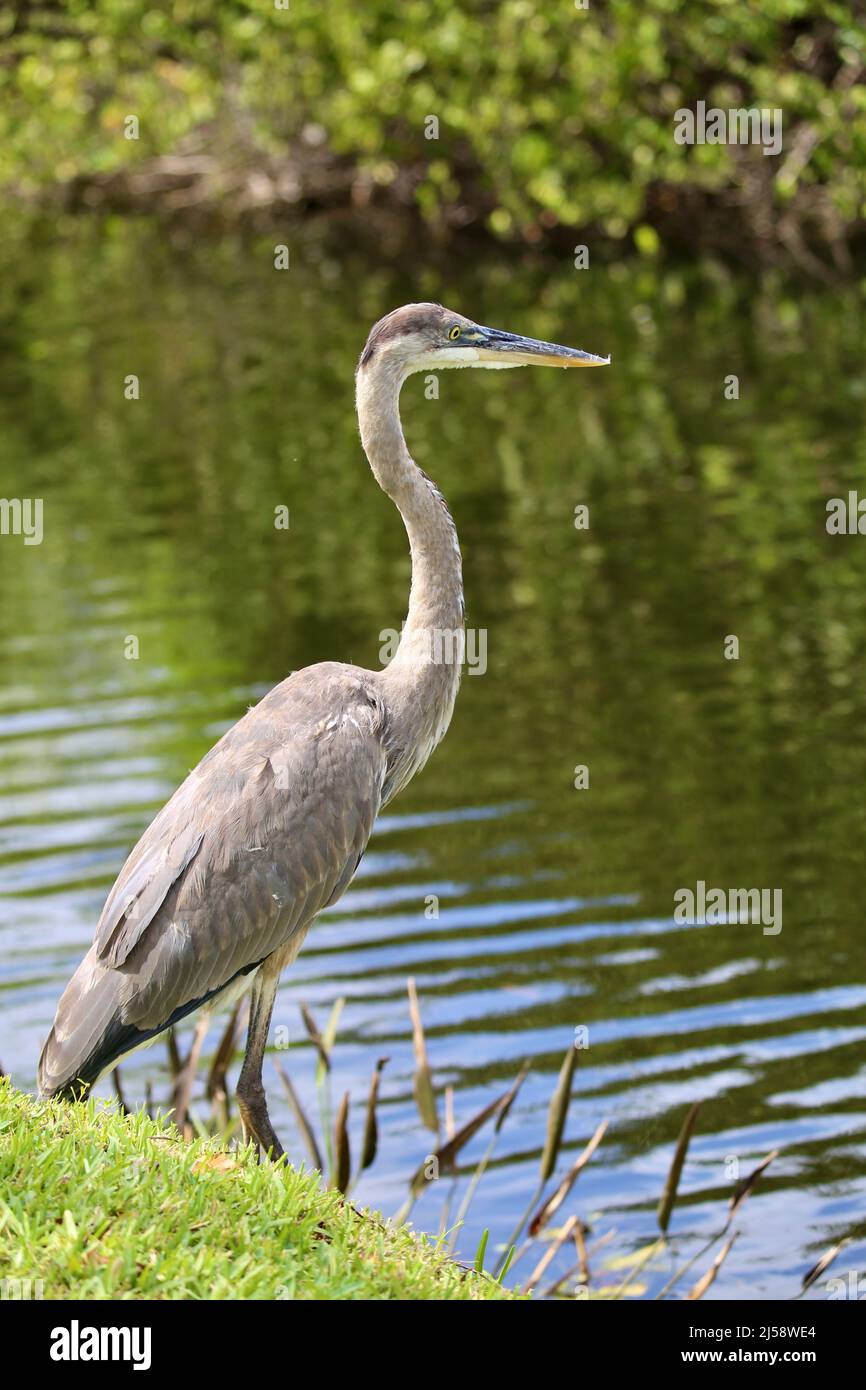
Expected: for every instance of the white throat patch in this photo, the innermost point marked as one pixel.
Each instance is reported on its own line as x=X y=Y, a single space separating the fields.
x=455 y=357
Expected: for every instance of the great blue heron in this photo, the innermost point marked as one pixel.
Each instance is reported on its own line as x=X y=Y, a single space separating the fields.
x=220 y=891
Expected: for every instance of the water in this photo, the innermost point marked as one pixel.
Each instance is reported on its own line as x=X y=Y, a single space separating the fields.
x=605 y=648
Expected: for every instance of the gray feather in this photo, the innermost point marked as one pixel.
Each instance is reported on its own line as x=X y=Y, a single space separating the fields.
x=137 y=896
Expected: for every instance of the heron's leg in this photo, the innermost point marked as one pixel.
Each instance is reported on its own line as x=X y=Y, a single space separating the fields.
x=255 y=1121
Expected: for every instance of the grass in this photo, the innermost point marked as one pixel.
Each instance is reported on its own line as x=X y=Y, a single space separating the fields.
x=97 y=1205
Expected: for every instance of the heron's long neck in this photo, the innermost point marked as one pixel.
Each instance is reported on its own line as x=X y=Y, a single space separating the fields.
x=425 y=672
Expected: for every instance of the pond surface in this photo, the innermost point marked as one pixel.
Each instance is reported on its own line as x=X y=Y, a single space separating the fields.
x=605 y=648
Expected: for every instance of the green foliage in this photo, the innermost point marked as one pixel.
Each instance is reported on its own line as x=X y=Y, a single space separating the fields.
x=96 y=1206
x=547 y=113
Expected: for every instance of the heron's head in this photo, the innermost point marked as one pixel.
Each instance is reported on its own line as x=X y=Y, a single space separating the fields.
x=427 y=337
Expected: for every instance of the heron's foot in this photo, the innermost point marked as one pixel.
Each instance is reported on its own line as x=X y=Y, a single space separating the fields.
x=256 y=1122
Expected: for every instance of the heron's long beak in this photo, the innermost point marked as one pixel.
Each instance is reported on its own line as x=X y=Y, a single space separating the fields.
x=500 y=349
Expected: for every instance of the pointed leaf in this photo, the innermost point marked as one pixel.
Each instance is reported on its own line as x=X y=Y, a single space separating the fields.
x=343 y=1158
x=669 y=1196
x=422 y=1084
x=559 y=1103
x=371 y=1128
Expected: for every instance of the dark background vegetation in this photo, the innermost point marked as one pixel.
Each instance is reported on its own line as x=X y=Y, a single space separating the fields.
x=553 y=121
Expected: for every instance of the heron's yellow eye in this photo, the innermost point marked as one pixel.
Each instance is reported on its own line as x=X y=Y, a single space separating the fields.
x=454 y=332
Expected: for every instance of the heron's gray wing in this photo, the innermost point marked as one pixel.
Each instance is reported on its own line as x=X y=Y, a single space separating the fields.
x=141 y=889
x=263 y=834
